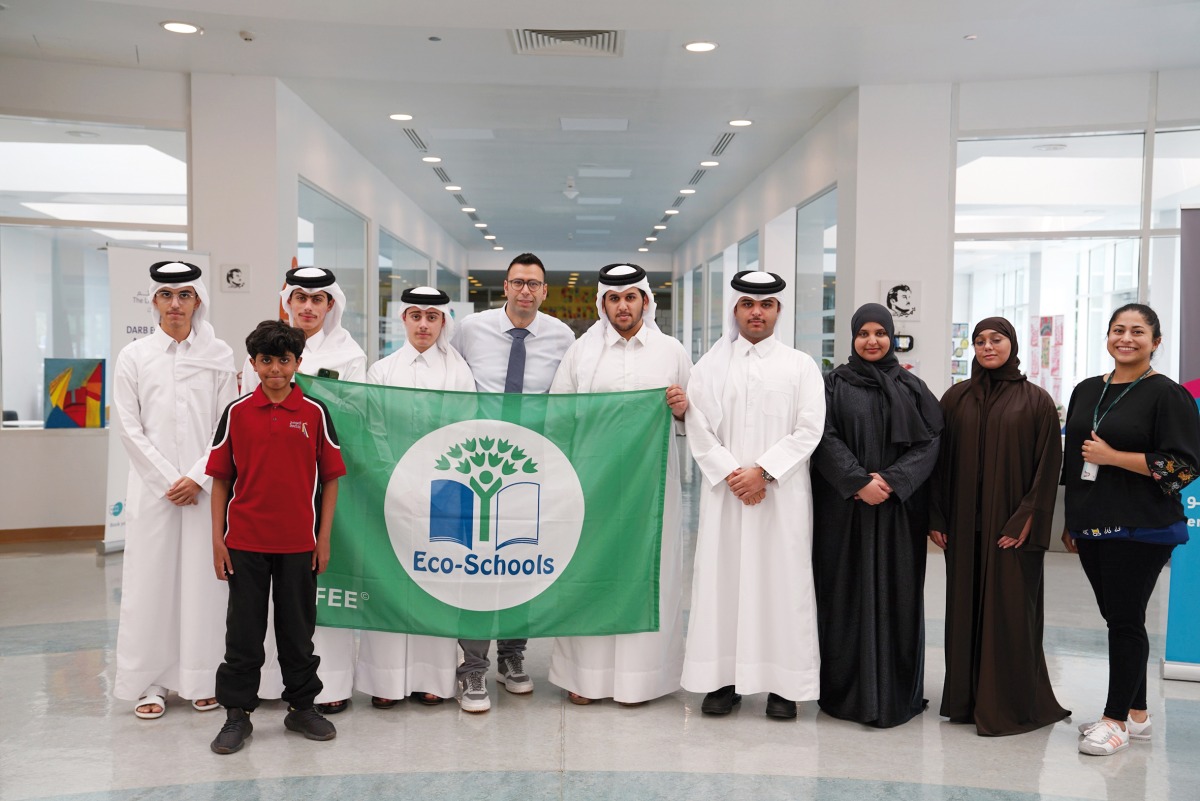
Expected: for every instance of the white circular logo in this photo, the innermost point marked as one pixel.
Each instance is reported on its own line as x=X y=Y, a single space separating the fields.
x=484 y=514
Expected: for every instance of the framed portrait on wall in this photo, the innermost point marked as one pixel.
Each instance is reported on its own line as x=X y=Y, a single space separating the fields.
x=902 y=298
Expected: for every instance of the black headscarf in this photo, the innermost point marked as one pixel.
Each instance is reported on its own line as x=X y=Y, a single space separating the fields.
x=914 y=413
x=983 y=380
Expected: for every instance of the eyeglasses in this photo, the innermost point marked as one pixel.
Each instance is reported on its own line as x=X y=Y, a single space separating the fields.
x=520 y=283
x=166 y=295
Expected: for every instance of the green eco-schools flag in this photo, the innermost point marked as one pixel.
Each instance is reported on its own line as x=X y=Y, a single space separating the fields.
x=490 y=516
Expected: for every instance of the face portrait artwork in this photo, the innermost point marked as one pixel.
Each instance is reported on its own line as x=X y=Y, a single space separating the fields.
x=903 y=300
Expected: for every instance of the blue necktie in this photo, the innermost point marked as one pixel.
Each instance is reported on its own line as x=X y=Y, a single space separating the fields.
x=514 y=380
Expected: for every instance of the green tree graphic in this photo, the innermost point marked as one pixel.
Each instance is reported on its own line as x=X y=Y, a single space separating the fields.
x=486 y=462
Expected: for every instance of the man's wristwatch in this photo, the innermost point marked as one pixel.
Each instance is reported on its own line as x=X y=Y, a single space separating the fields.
x=767 y=477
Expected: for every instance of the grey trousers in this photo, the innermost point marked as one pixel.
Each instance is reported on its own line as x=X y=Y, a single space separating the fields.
x=475 y=653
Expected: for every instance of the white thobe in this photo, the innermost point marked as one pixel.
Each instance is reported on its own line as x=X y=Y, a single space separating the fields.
x=753 y=618
x=395 y=665
x=172 y=627
x=349 y=362
x=632 y=668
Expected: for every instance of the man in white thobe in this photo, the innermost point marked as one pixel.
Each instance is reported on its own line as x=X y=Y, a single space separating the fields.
x=624 y=351
x=394 y=666
x=757 y=413
x=315 y=304
x=169 y=390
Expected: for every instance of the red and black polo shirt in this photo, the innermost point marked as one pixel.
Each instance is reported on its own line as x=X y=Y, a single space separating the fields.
x=277 y=455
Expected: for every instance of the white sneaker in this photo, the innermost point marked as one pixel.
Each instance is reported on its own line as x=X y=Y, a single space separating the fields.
x=1136 y=731
x=474 y=695
x=513 y=675
x=1104 y=738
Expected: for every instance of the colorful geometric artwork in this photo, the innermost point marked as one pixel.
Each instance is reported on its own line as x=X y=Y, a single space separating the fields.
x=74 y=393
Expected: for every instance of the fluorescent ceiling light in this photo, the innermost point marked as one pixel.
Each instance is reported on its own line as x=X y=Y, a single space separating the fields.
x=497 y=247
x=77 y=168
x=431 y=160
x=593 y=231
x=700 y=47
x=660 y=227
x=481 y=225
x=687 y=191
x=143 y=236
x=671 y=211
x=710 y=164
x=453 y=188
x=119 y=213
x=489 y=236
x=469 y=209
x=400 y=117
x=462 y=134
x=652 y=239
x=599 y=201
x=740 y=123
x=643 y=250
x=174 y=26
x=595 y=217
x=598 y=124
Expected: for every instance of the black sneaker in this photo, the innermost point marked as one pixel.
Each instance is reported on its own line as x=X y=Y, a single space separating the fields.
x=780 y=708
x=310 y=723
x=234 y=733
x=720 y=702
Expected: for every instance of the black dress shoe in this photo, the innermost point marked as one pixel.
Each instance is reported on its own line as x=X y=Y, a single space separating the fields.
x=720 y=702
x=780 y=707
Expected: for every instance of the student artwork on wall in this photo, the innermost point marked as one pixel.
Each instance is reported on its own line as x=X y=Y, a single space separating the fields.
x=234 y=278
x=74 y=393
x=902 y=298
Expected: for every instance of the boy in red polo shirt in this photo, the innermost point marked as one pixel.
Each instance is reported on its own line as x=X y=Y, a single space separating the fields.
x=270 y=535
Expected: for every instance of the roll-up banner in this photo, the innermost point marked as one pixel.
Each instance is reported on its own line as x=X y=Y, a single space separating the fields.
x=1183 y=614
x=131 y=318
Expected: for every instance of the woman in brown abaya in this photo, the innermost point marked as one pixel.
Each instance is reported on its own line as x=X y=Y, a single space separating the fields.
x=994 y=491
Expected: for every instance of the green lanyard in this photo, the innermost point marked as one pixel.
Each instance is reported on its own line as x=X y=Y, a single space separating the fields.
x=1096 y=416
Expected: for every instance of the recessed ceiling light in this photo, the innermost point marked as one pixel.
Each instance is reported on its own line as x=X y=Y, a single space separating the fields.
x=643 y=250
x=740 y=123
x=671 y=211
x=400 y=117
x=652 y=239
x=687 y=191
x=481 y=225
x=970 y=37
x=469 y=209
x=489 y=236
x=710 y=164
x=453 y=188
x=431 y=159
x=497 y=247
x=174 y=26
x=700 y=47
x=667 y=283
x=660 y=227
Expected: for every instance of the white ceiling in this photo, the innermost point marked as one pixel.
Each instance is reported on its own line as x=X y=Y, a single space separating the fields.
x=495 y=117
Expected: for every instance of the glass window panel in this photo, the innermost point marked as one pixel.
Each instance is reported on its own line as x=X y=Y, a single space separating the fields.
x=1176 y=176
x=400 y=268
x=1163 y=296
x=748 y=254
x=816 y=278
x=1062 y=183
x=1057 y=293
x=53 y=304
x=697 y=284
x=449 y=282
x=332 y=236
x=716 y=311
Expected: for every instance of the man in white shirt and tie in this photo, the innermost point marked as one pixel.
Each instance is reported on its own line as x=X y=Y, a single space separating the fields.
x=515 y=348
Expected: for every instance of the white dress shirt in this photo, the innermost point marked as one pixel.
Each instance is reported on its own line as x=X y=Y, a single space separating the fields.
x=483 y=340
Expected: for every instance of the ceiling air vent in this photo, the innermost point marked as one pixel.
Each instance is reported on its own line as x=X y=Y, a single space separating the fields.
x=696 y=177
x=442 y=174
x=678 y=202
x=416 y=139
x=462 y=201
x=544 y=42
x=722 y=143
x=473 y=217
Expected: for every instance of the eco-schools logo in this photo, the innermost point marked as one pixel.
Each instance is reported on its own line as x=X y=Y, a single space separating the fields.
x=484 y=514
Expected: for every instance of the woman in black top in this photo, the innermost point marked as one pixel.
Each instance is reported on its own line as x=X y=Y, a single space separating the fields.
x=1132 y=443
